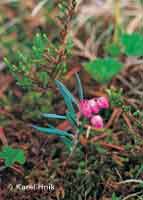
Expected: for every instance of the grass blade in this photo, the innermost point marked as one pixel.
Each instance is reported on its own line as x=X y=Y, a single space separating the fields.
x=79 y=86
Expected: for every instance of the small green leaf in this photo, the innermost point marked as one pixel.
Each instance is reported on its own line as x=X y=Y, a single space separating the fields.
x=115 y=97
x=39 y=41
x=63 y=6
x=69 y=45
x=113 y=49
x=114 y=197
x=11 y=156
x=133 y=44
x=103 y=70
x=100 y=149
x=39 y=45
x=25 y=82
x=43 y=77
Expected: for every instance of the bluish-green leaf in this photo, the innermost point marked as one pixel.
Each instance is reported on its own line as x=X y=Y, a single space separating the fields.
x=53 y=116
x=103 y=70
x=52 y=131
x=67 y=142
x=72 y=120
x=65 y=92
x=68 y=98
x=70 y=106
x=79 y=86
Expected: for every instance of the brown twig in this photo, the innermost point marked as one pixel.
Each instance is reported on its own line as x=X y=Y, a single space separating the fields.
x=99 y=137
x=112 y=146
x=127 y=121
x=115 y=113
x=72 y=72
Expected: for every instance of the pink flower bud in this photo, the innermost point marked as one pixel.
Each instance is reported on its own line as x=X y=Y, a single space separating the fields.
x=97 y=121
x=94 y=106
x=102 y=103
x=85 y=108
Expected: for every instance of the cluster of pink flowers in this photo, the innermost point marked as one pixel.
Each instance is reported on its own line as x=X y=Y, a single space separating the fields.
x=91 y=108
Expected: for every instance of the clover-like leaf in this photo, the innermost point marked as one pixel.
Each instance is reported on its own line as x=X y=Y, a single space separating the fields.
x=11 y=155
x=133 y=44
x=113 y=49
x=103 y=70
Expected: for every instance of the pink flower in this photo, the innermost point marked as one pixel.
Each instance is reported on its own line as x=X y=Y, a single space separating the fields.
x=97 y=121
x=103 y=103
x=85 y=108
x=94 y=106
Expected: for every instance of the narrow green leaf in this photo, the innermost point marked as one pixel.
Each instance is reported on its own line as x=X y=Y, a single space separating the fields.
x=65 y=92
x=71 y=119
x=43 y=77
x=52 y=131
x=67 y=142
x=54 y=116
x=68 y=98
x=70 y=106
x=79 y=86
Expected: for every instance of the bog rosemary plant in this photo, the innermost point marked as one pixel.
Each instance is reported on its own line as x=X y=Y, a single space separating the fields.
x=69 y=138
x=79 y=112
